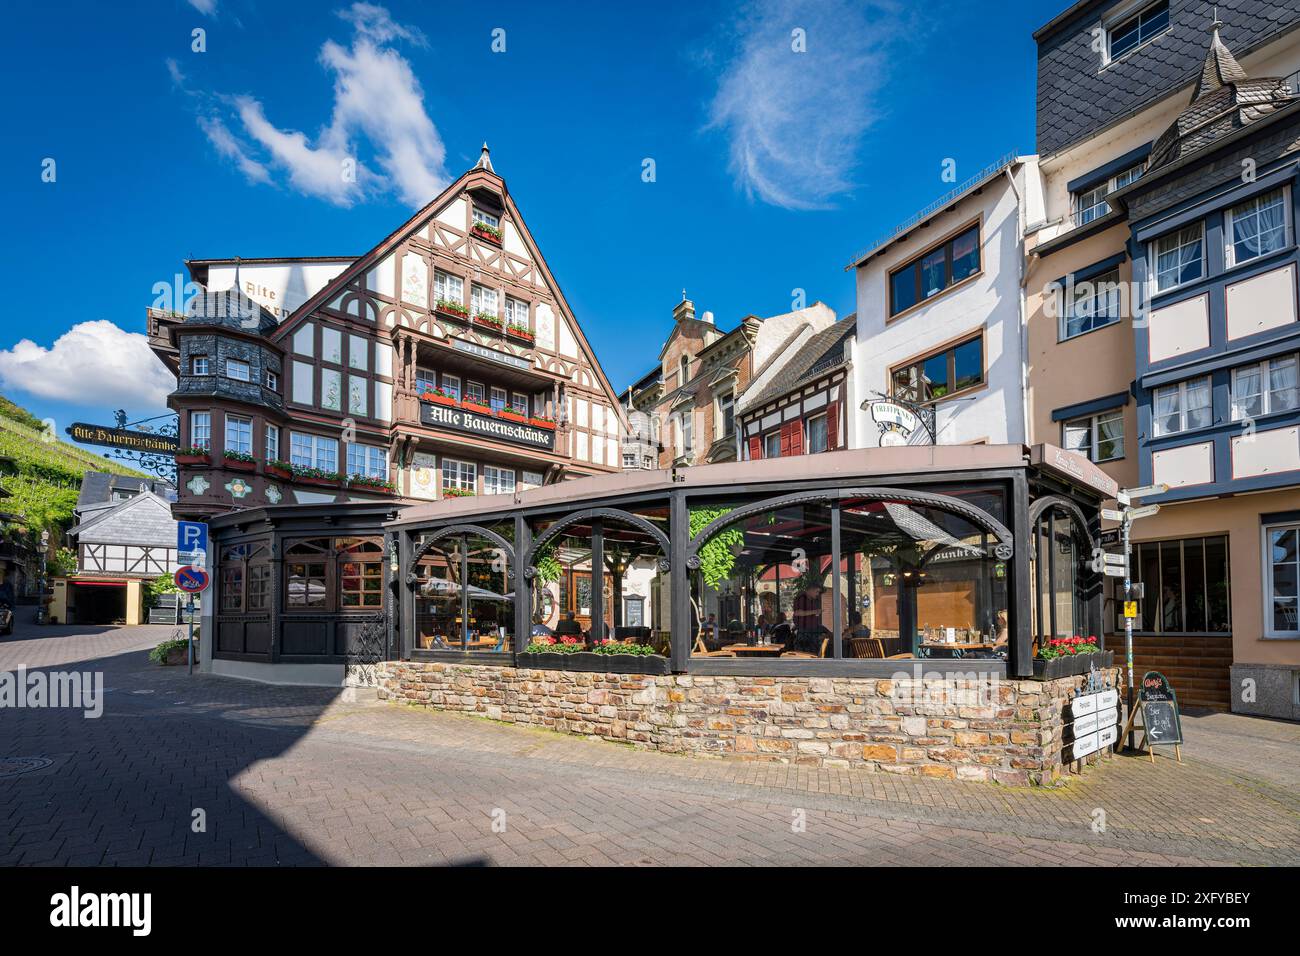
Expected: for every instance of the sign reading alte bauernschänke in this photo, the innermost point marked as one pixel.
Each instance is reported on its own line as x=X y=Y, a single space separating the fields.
x=464 y=420
x=123 y=438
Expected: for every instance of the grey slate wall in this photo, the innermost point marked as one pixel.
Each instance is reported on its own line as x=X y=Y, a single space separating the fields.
x=1076 y=97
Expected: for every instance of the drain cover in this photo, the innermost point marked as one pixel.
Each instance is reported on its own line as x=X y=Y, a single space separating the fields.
x=13 y=766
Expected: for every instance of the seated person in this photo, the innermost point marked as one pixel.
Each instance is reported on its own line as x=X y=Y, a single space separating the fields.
x=782 y=631
x=856 y=627
x=568 y=627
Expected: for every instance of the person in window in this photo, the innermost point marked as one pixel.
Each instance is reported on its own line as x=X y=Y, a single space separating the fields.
x=1170 y=610
x=568 y=627
x=782 y=631
x=856 y=627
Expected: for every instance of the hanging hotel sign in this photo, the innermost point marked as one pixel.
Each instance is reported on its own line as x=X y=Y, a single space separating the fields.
x=1074 y=466
x=897 y=423
x=123 y=438
x=461 y=419
x=492 y=355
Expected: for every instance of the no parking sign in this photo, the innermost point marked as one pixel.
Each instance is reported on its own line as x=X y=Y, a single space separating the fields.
x=192 y=580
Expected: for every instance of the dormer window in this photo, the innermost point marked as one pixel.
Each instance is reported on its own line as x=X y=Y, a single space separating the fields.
x=199 y=365
x=1130 y=33
x=486 y=218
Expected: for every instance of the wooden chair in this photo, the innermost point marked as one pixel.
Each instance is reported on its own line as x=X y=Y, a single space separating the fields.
x=826 y=643
x=871 y=647
x=702 y=651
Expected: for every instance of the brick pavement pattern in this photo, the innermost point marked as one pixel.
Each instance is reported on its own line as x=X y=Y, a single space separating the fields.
x=299 y=776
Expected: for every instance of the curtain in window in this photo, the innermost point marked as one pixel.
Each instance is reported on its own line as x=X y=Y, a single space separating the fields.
x=1259 y=226
x=1198 y=403
x=1246 y=401
x=1165 y=410
x=1282 y=384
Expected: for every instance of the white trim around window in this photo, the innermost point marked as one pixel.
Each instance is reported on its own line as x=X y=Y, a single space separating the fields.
x=238 y=370
x=1178 y=258
x=1096 y=437
x=1257 y=227
x=1182 y=406
x=1281 y=566
x=1265 y=387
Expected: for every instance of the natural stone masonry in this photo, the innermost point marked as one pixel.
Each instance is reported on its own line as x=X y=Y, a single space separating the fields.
x=1008 y=731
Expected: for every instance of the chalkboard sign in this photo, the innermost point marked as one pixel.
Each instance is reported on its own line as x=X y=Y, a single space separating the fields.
x=1160 y=710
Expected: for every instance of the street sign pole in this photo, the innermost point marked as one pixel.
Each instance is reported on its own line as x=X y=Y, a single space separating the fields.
x=1128 y=621
x=190 y=648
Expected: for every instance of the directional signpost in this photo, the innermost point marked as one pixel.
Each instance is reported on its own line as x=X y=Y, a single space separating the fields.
x=192 y=581
x=1126 y=517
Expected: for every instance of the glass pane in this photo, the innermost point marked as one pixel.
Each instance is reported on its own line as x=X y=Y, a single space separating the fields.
x=968 y=360
x=965 y=254
x=935 y=372
x=934 y=273
x=1194 y=584
x=1171 y=587
x=1218 y=619
x=903 y=284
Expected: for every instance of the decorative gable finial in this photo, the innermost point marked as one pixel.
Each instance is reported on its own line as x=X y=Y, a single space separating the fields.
x=484 y=159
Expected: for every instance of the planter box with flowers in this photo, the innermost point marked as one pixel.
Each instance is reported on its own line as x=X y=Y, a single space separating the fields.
x=457 y=493
x=438 y=397
x=367 y=483
x=472 y=406
x=240 y=461
x=279 y=469
x=194 y=455
x=487 y=320
x=1070 y=657
x=605 y=657
x=517 y=331
x=487 y=233
x=513 y=414
x=315 y=476
x=542 y=422
x=452 y=310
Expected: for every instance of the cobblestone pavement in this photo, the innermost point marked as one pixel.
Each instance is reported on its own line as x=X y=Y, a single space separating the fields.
x=298 y=776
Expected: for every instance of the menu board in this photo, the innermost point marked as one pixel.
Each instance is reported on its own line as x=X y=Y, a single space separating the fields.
x=1160 y=719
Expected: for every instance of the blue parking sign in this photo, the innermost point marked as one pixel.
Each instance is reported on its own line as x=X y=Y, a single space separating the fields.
x=191 y=537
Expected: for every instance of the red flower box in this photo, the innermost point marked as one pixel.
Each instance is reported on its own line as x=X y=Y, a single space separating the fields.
x=275 y=471
x=514 y=417
x=236 y=464
x=485 y=235
x=486 y=324
x=452 y=314
x=193 y=459
x=438 y=399
x=312 y=480
x=476 y=407
x=521 y=335
x=542 y=423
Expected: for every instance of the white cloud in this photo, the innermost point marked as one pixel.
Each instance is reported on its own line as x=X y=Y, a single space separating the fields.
x=795 y=120
x=206 y=7
x=91 y=363
x=377 y=101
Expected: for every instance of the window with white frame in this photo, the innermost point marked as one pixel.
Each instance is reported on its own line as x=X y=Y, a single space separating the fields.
x=313 y=451
x=239 y=434
x=1097 y=437
x=482 y=299
x=237 y=370
x=817 y=435
x=1182 y=406
x=487 y=218
x=199 y=365
x=1282 y=574
x=1265 y=388
x=458 y=475
x=368 y=460
x=520 y=402
x=686 y=429
x=201 y=429
x=498 y=481
x=498 y=399
x=772 y=445
x=1092 y=203
x=1257 y=227
x=272 y=381
x=1179 y=257
x=1130 y=33
x=629 y=459
x=426 y=380
x=272 y=443
x=726 y=414
x=451 y=385
x=476 y=392
x=447 y=287
x=647 y=462
x=1091 y=304
x=516 y=312
x=531 y=479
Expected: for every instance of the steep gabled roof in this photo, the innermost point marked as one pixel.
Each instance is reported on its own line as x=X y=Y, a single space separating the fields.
x=481 y=175
x=822 y=353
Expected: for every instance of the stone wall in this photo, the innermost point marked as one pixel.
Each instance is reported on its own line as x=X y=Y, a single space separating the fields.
x=1005 y=731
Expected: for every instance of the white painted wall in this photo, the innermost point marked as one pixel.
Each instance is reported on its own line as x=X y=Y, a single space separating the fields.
x=996 y=413
x=279 y=286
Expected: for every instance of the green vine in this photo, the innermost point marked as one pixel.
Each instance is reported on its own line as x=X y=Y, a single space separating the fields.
x=547 y=565
x=718 y=554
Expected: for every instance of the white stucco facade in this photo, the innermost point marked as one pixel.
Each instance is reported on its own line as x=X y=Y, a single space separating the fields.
x=987 y=304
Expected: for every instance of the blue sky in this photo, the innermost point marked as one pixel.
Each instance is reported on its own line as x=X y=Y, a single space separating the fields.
x=771 y=166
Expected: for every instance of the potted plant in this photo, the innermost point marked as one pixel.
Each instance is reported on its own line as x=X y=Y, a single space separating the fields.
x=490 y=233
x=458 y=492
x=193 y=455
x=514 y=413
x=449 y=307
x=571 y=654
x=370 y=483
x=520 y=331
x=541 y=421
x=438 y=396
x=279 y=469
x=1069 y=657
x=470 y=404
x=488 y=320
x=316 y=476
x=239 y=461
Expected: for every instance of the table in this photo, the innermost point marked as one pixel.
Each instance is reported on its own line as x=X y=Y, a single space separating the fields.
x=475 y=644
x=755 y=650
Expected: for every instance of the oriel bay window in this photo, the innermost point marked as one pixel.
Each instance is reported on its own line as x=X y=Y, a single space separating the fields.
x=239 y=434
x=1179 y=257
x=942 y=374
x=201 y=429
x=334 y=574
x=1257 y=227
x=931 y=272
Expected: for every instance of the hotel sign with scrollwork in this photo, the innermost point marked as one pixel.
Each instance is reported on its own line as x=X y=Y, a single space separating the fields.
x=463 y=420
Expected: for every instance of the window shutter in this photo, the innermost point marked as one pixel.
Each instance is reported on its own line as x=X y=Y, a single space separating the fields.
x=832 y=426
x=755 y=447
x=796 y=437
x=785 y=439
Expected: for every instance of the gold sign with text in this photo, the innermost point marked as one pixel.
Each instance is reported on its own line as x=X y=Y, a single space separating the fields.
x=123 y=438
